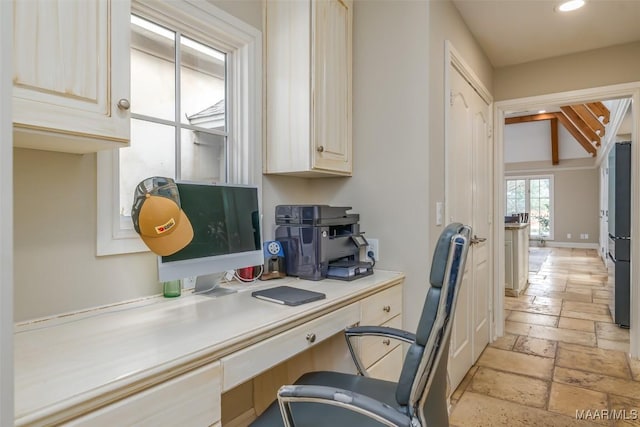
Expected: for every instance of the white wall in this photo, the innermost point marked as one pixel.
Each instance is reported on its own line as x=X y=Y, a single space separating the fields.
x=389 y=187
x=594 y=68
x=398 y=131
x=531 y=141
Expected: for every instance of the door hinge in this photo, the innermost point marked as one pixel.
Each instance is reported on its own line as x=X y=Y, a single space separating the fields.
x=451 y=98
x=490 y=132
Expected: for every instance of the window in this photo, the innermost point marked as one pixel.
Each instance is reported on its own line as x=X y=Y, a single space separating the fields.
x=195 y=110
x=178 y=126
x=533 y=195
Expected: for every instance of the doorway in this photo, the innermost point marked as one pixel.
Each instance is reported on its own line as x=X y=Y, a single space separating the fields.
x=502 y=109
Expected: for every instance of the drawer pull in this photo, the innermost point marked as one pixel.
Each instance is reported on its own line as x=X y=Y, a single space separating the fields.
x=386 y=308
x=386 y=341
x=311 y=337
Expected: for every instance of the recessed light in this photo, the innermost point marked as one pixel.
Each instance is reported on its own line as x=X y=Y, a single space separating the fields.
x=570 y=5
x=542 y=111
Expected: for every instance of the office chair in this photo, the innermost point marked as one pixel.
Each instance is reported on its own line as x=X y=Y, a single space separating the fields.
x=419 y=398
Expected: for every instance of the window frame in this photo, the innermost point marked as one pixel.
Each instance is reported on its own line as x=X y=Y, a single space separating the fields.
x=527 y=179
x=243 y=45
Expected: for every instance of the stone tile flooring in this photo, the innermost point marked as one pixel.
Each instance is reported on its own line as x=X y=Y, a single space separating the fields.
x=561 y=354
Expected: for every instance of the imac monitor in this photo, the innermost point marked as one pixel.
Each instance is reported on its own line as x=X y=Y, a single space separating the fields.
x=226 y=234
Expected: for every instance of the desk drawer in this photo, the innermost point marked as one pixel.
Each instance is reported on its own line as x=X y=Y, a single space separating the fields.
x=373 y=349
x=192 y=399
x=247 y=363
x=388 y=368
x=382 y=307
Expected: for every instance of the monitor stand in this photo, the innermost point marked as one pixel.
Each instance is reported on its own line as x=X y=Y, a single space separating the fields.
x=209 y=285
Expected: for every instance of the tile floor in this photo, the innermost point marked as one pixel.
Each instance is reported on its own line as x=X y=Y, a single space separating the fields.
x=561 y=354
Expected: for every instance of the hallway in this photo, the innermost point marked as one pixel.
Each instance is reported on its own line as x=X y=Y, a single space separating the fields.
x=561 y=356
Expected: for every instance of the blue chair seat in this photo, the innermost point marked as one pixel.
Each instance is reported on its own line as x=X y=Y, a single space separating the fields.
x=316 y=414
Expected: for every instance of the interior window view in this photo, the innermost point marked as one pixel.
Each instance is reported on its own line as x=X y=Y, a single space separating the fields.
x=178 y=125
x=314 y=213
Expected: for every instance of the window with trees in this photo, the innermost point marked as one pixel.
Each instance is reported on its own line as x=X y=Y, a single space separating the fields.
x=532 y=195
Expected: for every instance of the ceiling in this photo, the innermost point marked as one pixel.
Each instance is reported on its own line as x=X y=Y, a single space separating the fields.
x=516 y=31
x=512 y=32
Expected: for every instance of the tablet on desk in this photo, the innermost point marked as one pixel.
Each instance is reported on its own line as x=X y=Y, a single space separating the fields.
x=288 y=295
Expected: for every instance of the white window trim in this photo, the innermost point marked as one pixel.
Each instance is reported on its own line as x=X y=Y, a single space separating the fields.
x=551 y=199
x=242 y=41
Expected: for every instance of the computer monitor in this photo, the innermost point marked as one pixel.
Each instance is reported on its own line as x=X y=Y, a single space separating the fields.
x=226 y=234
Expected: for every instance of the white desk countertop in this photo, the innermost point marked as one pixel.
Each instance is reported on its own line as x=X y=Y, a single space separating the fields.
x=100 y=355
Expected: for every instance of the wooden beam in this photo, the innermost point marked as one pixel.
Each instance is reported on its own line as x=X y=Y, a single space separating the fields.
x=576 y=134
x=599 y=110
x=555 y=157
x=588 y=117
x=581 y=125
x=530 y=118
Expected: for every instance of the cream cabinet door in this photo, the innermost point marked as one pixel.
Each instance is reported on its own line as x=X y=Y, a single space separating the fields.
x=331 y=132
x=192 y=399
x=71 y=74
x=307 y=47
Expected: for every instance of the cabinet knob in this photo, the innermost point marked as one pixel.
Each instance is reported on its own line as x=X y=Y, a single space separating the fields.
x=386 y=308
x=386 y=341
x=320 y=149
x=311 y=337
x=124 y=104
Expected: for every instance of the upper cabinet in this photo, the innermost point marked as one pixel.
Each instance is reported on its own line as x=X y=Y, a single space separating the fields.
x=308 y=87
x=71 y=75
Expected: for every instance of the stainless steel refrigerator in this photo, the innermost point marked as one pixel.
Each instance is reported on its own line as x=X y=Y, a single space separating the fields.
x=620 y=230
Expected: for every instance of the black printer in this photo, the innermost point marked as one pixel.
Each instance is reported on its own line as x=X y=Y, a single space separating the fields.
x=321 y=241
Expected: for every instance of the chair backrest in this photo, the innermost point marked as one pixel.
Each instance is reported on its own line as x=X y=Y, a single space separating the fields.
x=423 y=381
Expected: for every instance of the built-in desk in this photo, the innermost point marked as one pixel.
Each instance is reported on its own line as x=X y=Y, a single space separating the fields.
x=168 y=361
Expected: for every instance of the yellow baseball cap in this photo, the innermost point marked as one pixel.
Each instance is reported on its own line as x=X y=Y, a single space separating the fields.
x=158 y=218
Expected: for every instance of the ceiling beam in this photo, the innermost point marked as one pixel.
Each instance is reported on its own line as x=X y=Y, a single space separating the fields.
x=530 y=118
x=568 y=124
x=588 y=117
x=599 y=110
x=581 y=125
x=555 y=157
x=576 y=134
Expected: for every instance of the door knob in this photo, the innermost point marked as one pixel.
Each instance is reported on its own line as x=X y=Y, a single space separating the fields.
x=124 y=104
x=320 y=149
x=311 y=337
x=475 y=240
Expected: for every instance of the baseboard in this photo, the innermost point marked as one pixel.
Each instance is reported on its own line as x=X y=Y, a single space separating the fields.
x=574 y=245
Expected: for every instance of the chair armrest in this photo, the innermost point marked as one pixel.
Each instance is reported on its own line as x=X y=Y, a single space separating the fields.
x=381 y=331
x=350 y=400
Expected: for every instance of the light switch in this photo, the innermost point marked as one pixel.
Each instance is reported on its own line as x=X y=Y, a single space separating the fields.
x=438 y=213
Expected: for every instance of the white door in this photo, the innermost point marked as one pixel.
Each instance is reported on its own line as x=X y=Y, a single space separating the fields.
x=469 y=200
